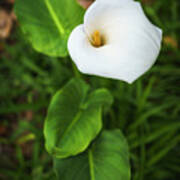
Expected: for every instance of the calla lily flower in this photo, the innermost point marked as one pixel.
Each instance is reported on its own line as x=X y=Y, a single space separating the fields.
x=116 y=41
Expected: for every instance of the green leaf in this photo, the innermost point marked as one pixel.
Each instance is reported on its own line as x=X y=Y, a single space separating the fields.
x=106 y=159
x=48 y=23
x=74 y=118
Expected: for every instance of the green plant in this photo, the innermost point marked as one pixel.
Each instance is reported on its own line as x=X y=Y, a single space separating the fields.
x=147 y=112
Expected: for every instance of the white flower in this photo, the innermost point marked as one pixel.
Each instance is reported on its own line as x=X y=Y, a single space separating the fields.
x=116 y=41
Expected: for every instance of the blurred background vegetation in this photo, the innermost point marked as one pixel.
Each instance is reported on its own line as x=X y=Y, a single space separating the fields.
x=148 y=111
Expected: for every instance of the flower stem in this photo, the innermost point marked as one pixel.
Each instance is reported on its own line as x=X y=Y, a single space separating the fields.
x=76 y=72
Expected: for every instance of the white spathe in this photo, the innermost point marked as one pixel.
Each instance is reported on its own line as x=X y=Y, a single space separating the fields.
x=132 y=42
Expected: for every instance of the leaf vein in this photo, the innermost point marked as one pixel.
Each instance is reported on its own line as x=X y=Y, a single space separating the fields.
x=54 y=17
x=91 y=164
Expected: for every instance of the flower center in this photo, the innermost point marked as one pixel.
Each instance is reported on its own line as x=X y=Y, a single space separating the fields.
x=96 y=39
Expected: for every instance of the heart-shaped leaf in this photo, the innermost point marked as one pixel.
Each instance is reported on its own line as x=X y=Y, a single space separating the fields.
x=48 y=23
x=74 y=118
x=106 y=159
